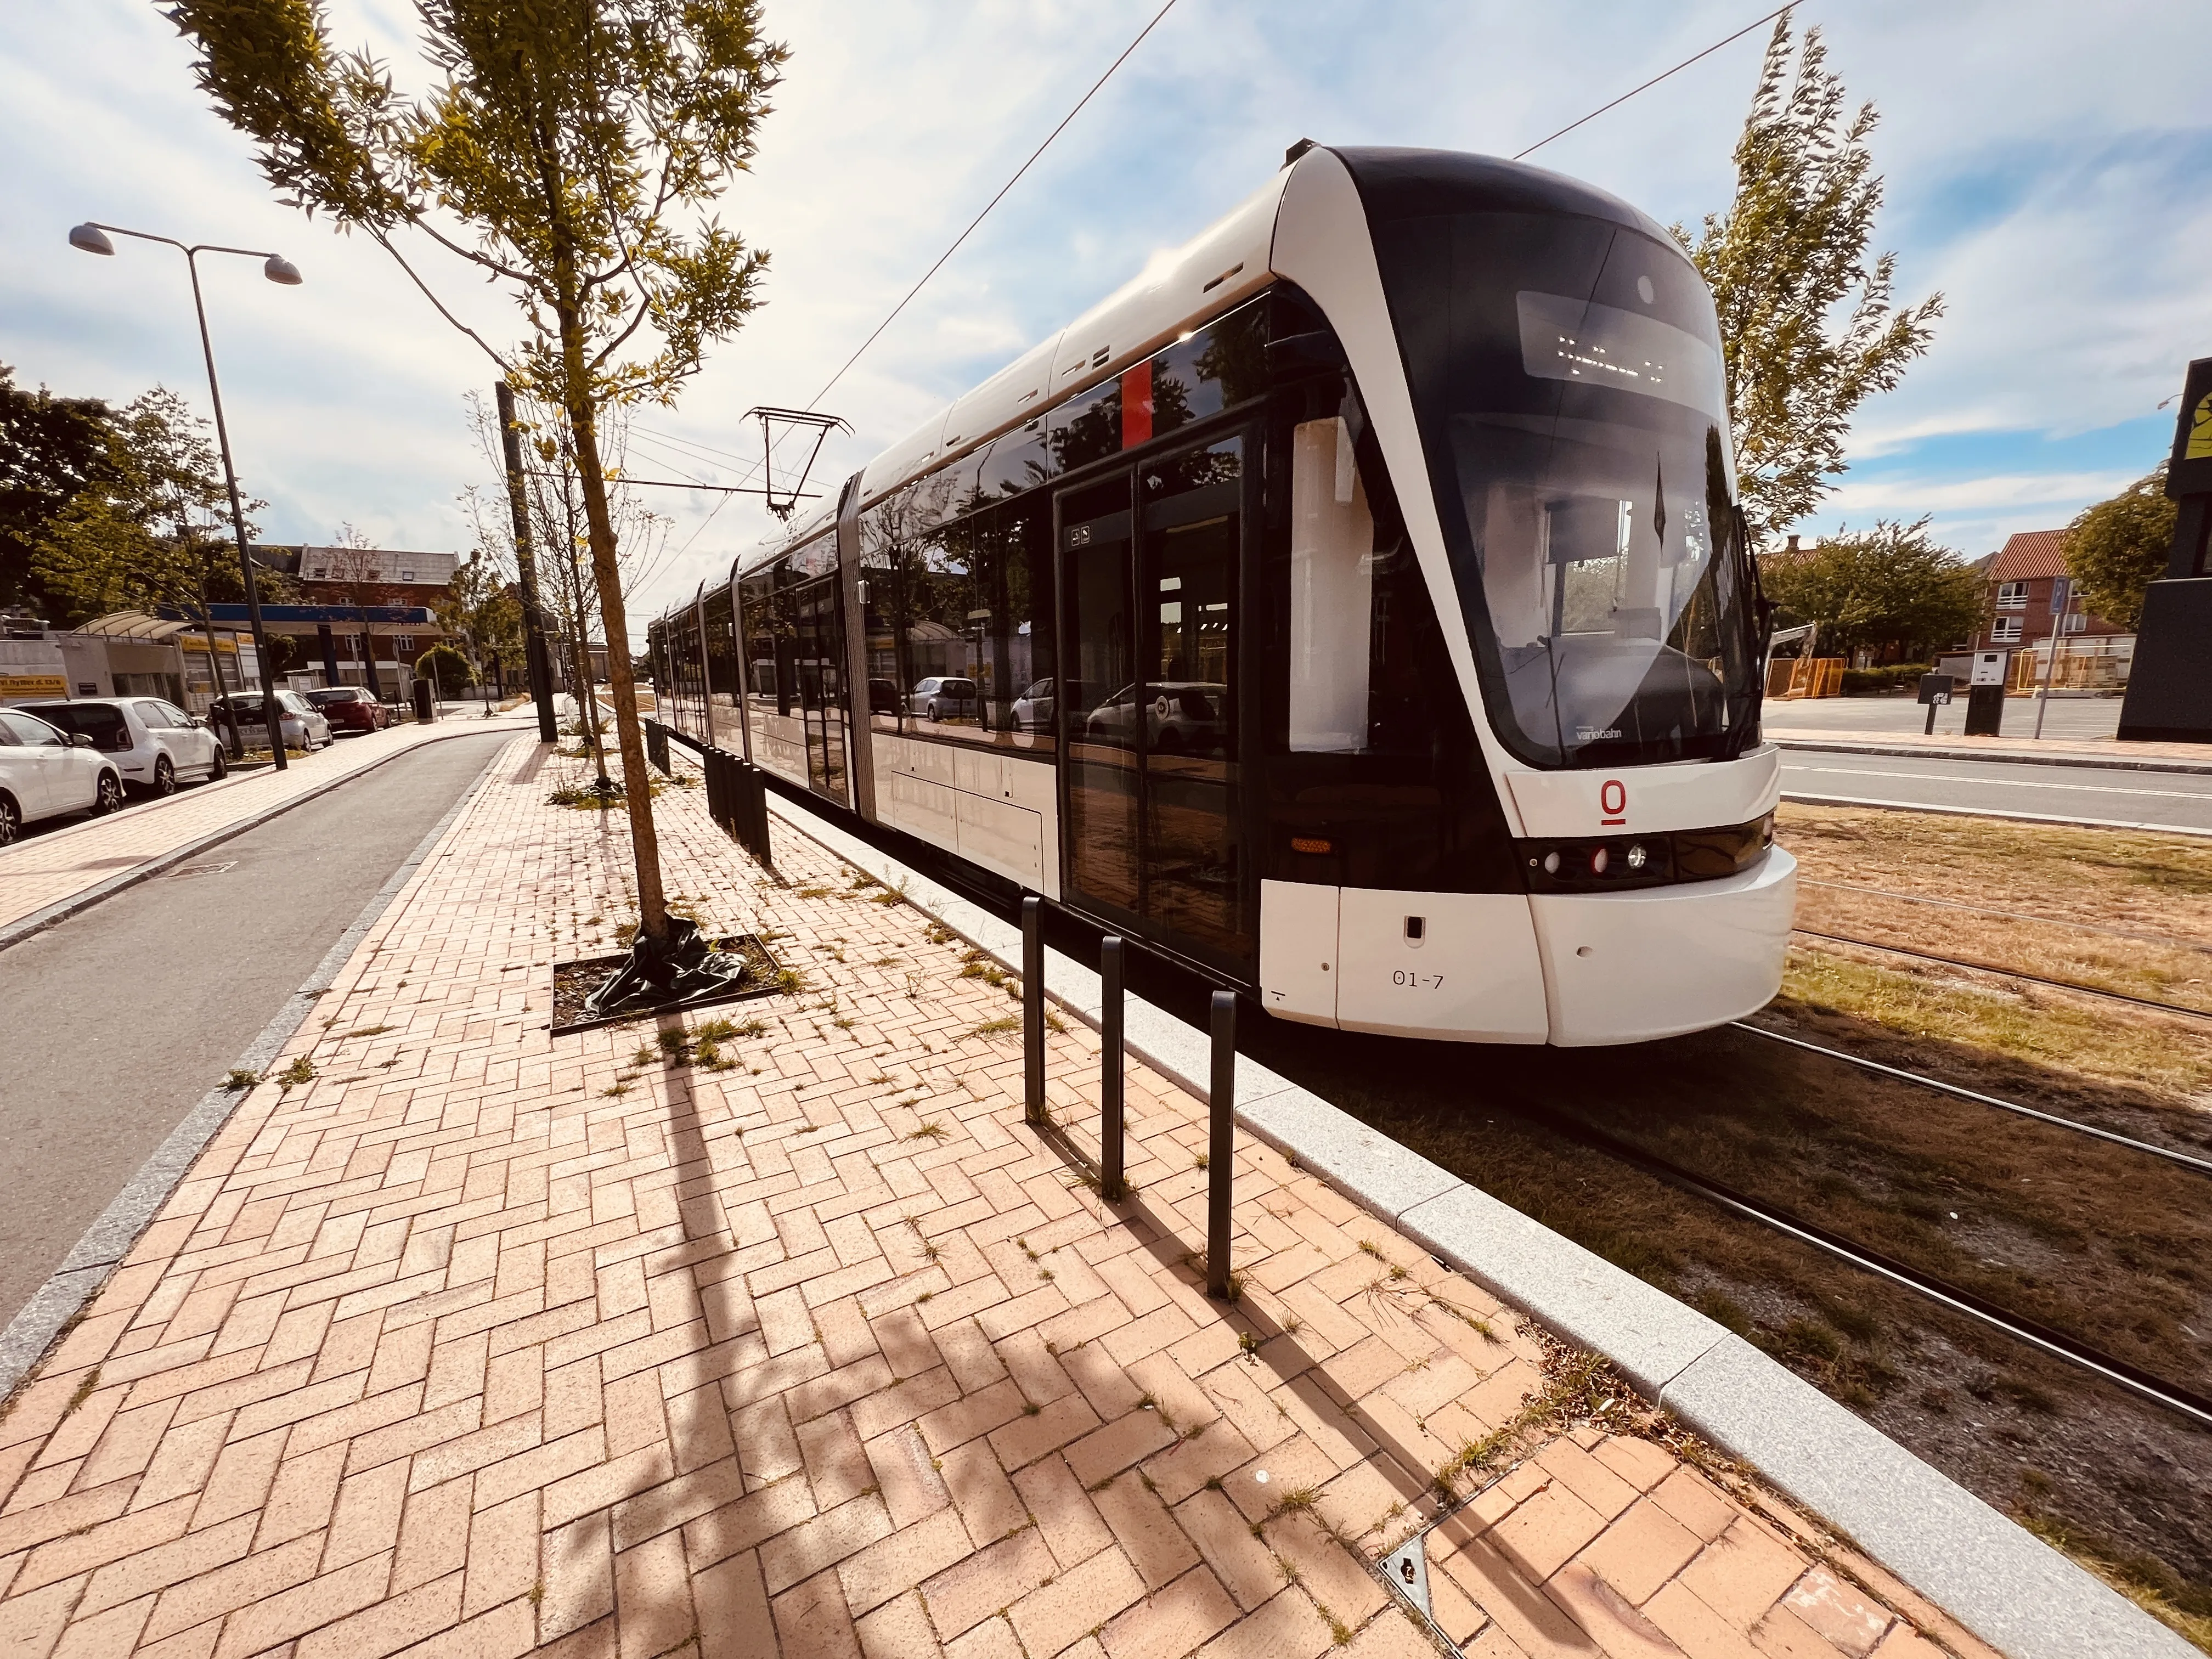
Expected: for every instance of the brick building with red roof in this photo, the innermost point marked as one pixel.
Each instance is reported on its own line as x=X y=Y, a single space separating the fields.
x=2027 y=596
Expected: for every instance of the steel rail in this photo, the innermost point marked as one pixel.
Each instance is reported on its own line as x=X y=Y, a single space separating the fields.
x=2008 y=973
x=2143 y=1384
x=2203 y=1166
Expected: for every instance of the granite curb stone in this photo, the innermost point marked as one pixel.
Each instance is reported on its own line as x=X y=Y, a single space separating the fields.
x=1996 y=1577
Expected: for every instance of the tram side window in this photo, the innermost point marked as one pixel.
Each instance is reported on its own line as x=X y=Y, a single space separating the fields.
x=769 y=687
x=1218 y=367
x=721 y=648
x=1087 y=428
x=959 y=621
x=1018 y=460
x=910 y=635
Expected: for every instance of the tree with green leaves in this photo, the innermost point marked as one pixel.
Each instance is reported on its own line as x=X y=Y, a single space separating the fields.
x=1808 y=327
x=147 y=529
x=1888 y=586
x=50 y=449
x=482 y=611
x=442 y=666
x=571 y=152
x=2117 y=548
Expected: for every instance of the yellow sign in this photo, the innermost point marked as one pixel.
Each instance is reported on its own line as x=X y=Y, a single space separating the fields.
x=2200 y=431
x=32 y=685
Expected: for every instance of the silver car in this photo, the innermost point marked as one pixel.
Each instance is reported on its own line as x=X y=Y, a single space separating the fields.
x=304 y=725
x=943 y=697
x=155 y=744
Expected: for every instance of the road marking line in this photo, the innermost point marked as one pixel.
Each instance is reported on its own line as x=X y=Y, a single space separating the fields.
x=2001 y=783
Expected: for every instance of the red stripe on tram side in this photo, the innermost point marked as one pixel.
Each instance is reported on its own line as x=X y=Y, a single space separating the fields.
x=1137 y=406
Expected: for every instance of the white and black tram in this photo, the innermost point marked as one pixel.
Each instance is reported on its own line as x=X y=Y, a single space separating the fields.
x=1355 y=606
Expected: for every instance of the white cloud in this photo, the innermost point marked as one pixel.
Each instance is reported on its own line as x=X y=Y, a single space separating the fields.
x=1890 y=497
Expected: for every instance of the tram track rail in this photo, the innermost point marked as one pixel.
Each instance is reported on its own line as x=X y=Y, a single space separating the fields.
x=2006 y=973
x=1958 y=1091
x=2070 y=1349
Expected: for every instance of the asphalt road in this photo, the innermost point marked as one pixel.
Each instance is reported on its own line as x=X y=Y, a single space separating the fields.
x=2177 y=800
x=118 y=1020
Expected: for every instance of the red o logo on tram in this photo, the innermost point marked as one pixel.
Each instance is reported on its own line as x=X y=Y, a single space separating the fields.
x=1613 y=801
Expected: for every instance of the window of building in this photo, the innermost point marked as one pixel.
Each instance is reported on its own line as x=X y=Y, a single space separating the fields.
x=2005 y=631
x=404 y=644
x=2074 y=623
x=2012 y=596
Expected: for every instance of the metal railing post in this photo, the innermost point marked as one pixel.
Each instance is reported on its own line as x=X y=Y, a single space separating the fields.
x=1033 y=1010
x=756 y=803
x=1112 y=1134
x=1221 y=1142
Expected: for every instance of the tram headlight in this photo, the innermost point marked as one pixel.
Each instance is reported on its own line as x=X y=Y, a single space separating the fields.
x=1599 y=859
x=1551 y=864
x=1638 y=858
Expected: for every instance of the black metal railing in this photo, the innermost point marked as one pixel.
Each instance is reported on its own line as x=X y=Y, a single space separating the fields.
x=1113 y=1133
x=737 y=799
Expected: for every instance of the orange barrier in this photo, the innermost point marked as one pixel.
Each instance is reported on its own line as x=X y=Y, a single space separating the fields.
x=1805 y=677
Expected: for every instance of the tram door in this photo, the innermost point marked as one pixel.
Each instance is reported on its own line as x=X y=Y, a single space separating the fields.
x=1149 y=566
x=820 y=664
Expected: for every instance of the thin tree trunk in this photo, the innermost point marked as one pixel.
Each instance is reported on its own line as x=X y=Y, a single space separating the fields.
x=637 y=788
x=580 y=646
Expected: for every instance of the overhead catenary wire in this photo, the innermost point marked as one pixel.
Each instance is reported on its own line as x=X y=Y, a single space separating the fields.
x=1663 y=74
x=937 y=265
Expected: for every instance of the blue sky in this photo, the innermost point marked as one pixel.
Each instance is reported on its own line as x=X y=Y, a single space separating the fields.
x=2044 y=163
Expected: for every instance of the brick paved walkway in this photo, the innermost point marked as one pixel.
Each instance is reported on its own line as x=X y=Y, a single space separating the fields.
x=483 y=1342
x=60 y=864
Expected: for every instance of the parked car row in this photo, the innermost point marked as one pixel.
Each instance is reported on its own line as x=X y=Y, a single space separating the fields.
x=84 y=754
x=952 y=696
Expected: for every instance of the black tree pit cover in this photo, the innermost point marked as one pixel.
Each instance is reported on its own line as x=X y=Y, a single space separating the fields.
x=682 y=969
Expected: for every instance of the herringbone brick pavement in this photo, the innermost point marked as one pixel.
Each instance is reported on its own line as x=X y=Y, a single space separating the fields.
x=794 y=1340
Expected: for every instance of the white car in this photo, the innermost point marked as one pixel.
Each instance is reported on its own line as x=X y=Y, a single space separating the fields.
x=155 y=744
x=45 y=773
x=304 y=724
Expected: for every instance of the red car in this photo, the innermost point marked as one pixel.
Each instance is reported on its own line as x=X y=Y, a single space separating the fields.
x=349 y=708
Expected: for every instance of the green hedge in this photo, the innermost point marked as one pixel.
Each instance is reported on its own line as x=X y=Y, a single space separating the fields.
x=1879 y=682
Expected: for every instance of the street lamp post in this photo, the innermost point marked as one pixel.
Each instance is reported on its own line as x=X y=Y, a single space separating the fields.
x=92 y=238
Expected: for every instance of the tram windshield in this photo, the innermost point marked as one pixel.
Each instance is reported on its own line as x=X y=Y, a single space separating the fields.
x=1566 y=373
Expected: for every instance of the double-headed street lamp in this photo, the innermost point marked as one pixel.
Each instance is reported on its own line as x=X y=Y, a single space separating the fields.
x=92 y=238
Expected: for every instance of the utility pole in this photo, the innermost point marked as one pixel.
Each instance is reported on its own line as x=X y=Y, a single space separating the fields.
x=533 y=625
